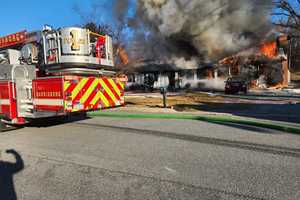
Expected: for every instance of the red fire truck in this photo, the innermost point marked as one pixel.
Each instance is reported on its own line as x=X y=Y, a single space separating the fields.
x=55 y=72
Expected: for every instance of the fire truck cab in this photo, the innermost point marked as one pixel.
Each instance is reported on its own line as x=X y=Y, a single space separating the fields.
x=52 y=72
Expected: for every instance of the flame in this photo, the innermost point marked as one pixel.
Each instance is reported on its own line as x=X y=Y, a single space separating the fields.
x=227 y=61
x=123 y=55
x=269 y=49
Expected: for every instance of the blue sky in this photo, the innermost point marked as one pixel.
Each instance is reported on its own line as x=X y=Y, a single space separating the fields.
x=294 y=3
x=33 y=14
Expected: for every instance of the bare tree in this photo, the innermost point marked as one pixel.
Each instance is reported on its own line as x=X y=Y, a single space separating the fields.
x=102 y=29
x=288 y=15
x=117 y=29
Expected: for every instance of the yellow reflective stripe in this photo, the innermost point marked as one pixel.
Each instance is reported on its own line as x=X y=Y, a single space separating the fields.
x=66 y=85
x=89 y=91
x=113 y=84
x=100 y=96
x=122 y=85
x=78 y=87
x=107 y=89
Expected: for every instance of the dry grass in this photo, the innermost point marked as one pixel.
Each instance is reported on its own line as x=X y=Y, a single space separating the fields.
x=295 y=76
x=188 y=102
x=199 y=102
x=189 y=98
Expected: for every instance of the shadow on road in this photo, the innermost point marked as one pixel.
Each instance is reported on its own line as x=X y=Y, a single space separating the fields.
x=4 y=128
x=46 y=122
x=7 y=170
x=277 y=112
x=54 y=121
x=248 y=128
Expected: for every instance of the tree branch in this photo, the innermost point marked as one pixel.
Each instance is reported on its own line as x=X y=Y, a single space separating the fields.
x=290 y=18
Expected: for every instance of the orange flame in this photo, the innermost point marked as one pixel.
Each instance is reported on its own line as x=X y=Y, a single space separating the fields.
x=227 y=61
x=269 y=49
x=124 y=56
x=121 y=52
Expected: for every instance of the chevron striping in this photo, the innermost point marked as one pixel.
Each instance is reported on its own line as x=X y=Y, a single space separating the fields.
x=82 y=91
x=70 y=89
x=110 y=96
x=120 y=85
x=100 y=97
x=95 y=93
x=112 y=90
x=66 y=85
x=110 y=100
x=96 y=89
x=79 y=87
x=89 y=91
x=115 y=87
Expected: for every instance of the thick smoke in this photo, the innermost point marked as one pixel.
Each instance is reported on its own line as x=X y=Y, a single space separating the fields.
x=193 y=31
x=120 y=10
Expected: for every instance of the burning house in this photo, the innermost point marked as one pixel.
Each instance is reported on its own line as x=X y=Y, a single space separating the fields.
x=173 y=40
x=185 y=35
x=264 y=66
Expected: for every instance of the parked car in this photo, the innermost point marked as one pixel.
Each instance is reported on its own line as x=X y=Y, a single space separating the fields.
x=235 y=85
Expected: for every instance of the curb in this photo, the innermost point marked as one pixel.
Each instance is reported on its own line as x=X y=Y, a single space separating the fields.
x=206 y=118
x=2 y=127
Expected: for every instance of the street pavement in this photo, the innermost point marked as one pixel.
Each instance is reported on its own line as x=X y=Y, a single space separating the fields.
x=109 y=158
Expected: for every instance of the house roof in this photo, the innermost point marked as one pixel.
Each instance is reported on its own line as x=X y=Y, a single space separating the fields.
x=150 y=67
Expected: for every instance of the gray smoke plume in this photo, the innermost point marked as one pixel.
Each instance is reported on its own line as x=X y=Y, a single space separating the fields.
x=198 y=30
x=120 y=10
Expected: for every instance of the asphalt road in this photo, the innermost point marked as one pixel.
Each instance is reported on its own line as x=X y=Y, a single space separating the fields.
x=106 y=158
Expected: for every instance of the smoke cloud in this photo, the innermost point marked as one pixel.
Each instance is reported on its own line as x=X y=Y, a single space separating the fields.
x=189 y=31
x=120 y=10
